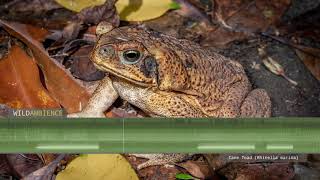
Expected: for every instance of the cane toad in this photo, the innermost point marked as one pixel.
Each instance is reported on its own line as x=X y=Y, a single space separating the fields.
x=170 y=77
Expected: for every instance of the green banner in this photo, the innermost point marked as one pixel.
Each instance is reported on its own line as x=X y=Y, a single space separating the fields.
x=155 y=135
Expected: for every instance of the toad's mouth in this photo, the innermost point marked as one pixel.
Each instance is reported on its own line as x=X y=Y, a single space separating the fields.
x=115 y=75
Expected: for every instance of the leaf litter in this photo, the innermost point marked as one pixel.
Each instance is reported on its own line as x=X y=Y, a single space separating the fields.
x=228 y=22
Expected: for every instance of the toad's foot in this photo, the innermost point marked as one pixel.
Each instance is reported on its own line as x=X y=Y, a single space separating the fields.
x=161 y=159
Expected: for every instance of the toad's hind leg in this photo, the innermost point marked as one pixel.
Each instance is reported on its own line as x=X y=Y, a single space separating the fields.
x=256 y=104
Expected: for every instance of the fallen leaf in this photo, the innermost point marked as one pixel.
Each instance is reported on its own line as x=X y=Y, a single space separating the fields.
x=105 y=12
x=142 y=10
x=37 y=33
x=46 y=172
x=59 y=82
x=250 y=16
x=216 y=161
x=47 y=158
x=193 y=169
x=34 y=6
x=20 y=83
x=241 y=19
x=4 y=167
x=311 y=62
x=78 y=5
x=81 y=66
x=98 y=166
x=129 y=10
x=310 y=50
x=71 y=31
x=92 y=13
x=187 y=9
x=23 y=164
x=182 y=176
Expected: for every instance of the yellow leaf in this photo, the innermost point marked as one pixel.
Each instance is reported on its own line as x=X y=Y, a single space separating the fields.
x=129 y=10
x=141 y=10
x=78 y=5
x=98 y=166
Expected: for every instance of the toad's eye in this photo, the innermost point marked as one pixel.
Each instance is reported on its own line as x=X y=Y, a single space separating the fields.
x=130 y=56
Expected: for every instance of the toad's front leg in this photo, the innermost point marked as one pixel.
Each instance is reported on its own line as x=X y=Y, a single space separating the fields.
x=103 y=97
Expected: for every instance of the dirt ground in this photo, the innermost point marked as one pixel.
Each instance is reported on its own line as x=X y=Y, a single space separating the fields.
x=287 y=100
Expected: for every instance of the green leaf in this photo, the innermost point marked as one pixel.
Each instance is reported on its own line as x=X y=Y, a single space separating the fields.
x=183 y=176
x=174 y=5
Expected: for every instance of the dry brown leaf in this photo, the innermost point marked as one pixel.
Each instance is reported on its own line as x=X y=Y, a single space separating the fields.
x=188 y=9
x=311 y=62
x=240 y=19
x=37 y=34
x=216 y=161
x=193 y=169
x=105 y=12
x=20 y=83
x=4 y=167
x=34 y=6
x=310 y=50
x=47 y=158
x=250 y=16
x=46 y=172
x=23 y=164
x=59 y=82
x=81 y=66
